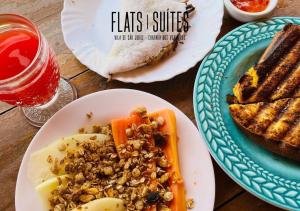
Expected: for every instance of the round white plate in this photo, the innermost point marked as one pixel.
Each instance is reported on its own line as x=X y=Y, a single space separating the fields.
x=196 y=165
x=86 y=26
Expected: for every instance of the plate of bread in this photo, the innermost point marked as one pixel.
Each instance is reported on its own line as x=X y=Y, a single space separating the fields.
x=246 y=101
x=141 y=40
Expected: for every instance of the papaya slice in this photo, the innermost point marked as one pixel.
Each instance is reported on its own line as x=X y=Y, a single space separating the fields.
x=171 y=150
x=119 y=127
x=169 y=129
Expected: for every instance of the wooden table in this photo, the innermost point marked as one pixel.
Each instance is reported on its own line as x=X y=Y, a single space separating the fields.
x=16 y=133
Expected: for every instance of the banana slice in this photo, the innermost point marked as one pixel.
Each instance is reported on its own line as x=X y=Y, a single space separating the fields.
x=40 y=163
x=107 y=204
x=104 y=204
x=44 y=189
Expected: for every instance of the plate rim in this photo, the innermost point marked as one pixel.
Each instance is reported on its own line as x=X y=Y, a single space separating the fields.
x=142 y=79
x=209 y=159
x=283 y=19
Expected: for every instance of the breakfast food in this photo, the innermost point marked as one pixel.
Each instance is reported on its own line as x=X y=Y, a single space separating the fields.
x=277 y=73
x=266 y=99
x=134 y=165
x=107 y=204
x=45 y=162
x=276 y=121
x=161 y=124
x=128 y=54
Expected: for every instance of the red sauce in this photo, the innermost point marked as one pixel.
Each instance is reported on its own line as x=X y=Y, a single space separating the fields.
x=251 y=5
x=18 y=48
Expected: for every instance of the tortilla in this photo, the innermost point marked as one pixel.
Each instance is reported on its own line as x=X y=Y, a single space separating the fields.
x=126 y=55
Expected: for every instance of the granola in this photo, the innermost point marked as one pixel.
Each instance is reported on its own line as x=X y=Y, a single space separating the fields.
x=135 y=172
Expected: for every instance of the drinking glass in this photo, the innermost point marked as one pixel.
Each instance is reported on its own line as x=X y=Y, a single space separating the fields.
x=29 y=72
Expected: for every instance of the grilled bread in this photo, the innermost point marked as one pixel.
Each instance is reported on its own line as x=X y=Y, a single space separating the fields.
x=277 y=122
x=277 y=74
x=267 y=98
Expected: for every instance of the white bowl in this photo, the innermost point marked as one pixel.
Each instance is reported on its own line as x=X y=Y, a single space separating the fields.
x=244 y=16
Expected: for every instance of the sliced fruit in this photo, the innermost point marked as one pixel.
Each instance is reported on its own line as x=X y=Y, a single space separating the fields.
x=42 y=161
x=119 y=127
x=170 y=149
x=44 y=189
x=168 y=128
x=103 y=204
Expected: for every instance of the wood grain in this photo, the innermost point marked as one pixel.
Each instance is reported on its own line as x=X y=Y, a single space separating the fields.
x=248 y=202
x=4 y=107
x=35 y=10
x=287 y=8
x=16 y=134
x=226 y=188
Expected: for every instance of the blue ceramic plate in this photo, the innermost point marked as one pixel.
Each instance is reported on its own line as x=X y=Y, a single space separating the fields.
x=266 y=175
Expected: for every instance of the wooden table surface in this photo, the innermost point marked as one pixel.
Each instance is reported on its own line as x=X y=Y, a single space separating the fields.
x=16 y=133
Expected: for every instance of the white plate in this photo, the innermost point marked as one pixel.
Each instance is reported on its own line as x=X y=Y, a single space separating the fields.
x=196 y=165
x=86 y=26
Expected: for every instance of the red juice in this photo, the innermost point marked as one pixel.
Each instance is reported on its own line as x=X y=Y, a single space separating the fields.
x=28 y=61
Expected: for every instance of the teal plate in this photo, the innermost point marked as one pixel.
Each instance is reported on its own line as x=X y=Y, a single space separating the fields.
x=266 y=175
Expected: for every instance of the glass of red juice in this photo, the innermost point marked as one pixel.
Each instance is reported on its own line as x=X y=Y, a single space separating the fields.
x=29 y=72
